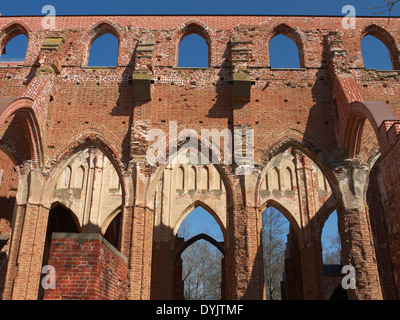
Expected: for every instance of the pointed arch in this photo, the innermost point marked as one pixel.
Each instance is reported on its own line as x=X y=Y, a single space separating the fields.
x=23 y=108
x=387 y=39
x=192 y=178
x=288 y=215
x=288 y=178
x=79 y=177
x=11 y=31
x=375 y=112
x=67 y=153
x=275 y=179
x=99 y=29
x=193 y=206
x=201 y=236
x=205 y=149
x=75 y=219
x=292 y=34
x=192 y=27
x=309 y=149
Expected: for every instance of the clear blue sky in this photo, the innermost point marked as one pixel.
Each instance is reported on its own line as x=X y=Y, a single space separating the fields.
x=285 y=7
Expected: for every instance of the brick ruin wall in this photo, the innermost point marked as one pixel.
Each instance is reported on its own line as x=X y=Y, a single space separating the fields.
x=62 y=106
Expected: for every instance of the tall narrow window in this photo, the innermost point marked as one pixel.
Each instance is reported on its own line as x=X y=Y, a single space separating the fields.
x=15 y=49
x=375 y=54
x=104 y=51
x=283 y=52
x=193 y=52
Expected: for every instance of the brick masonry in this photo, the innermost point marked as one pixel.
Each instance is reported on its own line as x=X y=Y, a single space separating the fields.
x=318 y=132
x=87 y=268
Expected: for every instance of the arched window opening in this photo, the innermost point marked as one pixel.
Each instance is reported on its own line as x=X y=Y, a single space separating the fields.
x=275 y=230
x=283 y=52
x=201 y=262
x=330 y=241
x=104 y=51
x=113 y=232
x=375 y=54
x=193 y=52
x=15 y=49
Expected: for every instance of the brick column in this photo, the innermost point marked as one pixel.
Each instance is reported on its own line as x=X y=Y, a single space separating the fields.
x=244 y=257
x=141 y=253
x=26 y=252
x=310 y=254
x=355 y=232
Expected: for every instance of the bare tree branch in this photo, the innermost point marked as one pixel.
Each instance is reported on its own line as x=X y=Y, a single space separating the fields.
x=387 y=7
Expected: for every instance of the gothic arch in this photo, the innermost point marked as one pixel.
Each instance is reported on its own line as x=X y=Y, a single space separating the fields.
x=97 y=30
x=67 y=153
x=220 y=167
x=309 y=149
x=12 y=30
x=387 y=39
x=73 y=215
x=193 y=206
x=188 y=28
x=288 y=215
x=201 y=236
x=23 y=107
x=293 y=34
x=109 y=219
x=375 y=112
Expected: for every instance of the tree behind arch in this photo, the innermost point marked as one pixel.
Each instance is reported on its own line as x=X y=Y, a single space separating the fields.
x=274 y=231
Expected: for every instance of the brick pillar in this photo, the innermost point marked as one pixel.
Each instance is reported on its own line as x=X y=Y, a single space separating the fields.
x=244 y=256
x=355 y=232
x=311 y=260
x=178 y=283
x=141 y=253
x=26 y=252
x=390 y=194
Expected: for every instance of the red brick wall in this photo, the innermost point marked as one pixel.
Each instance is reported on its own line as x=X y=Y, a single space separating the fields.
x=87 y=267
x=284 y=104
